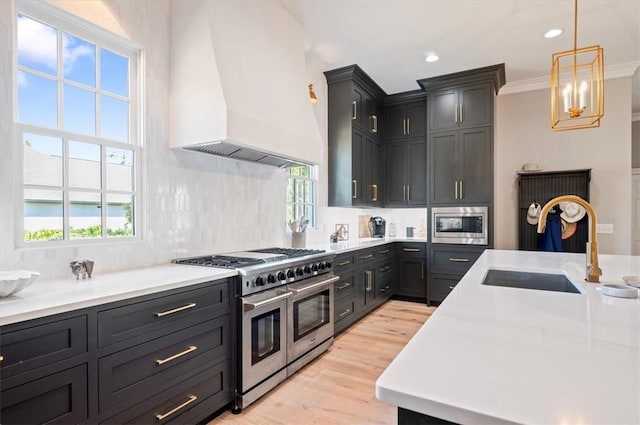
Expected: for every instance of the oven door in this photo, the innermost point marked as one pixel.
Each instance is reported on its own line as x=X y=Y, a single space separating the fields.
x=264 y=336
x=310 y=314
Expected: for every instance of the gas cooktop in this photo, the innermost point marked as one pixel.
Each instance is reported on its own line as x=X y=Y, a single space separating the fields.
x=236 y=260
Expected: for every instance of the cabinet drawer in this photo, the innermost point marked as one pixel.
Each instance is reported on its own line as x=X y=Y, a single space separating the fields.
x=365 y=255
x=160 y=316
x=60 y=398
x=29 y=348
x=345 y=286
x=155 y=365
x=212 y=387
x=440 y=286
x=412 y=249
x=384 y=252
x=344 y=261
x=344 y=309
x=453 y=260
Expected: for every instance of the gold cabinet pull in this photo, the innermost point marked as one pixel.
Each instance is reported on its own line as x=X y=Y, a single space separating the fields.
x=385 y=289
x=455 y=119
x=411 y=249
x=375 y=123
x=175 y=356
x=346 y=285
x=408 y=126
x=354 y=110
x=366 y=257
x=461 y=195
x=175 y=310
x=404 y=127
x=344 y=263
x=355 y=189
x=461 y=119
x=386 y=251
x=456 y=184
x=344 y=313
x=408 y=193
x=1 y=357
x=161 y=416
x=369 y=278
x=374 y=197
x=459 y=260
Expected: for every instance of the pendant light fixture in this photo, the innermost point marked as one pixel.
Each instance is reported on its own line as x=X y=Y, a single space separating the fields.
x=577 y=85
x=312 y=95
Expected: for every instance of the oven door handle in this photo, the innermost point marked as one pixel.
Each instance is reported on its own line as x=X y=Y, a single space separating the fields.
x=248 y=306
x=315 y=285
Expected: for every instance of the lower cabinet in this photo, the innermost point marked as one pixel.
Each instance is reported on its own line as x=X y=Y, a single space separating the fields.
x=411 y=259
x=447 y=265
x=170 y=365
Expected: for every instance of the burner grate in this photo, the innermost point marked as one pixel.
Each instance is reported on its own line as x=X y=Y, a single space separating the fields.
x=290 y=252
x=220 y=261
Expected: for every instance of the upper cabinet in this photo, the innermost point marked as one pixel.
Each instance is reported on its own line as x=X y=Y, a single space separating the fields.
x=355 y=146
x=466 y=106
x=406 y=120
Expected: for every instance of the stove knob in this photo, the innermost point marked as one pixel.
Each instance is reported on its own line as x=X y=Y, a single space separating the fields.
x=281 y=276
x=259 y=281
x=307 y=270
x=299 y=271
x=321 y=265
x=290 y=273
x=328 y=264
x=271 y=278
x=314 y=267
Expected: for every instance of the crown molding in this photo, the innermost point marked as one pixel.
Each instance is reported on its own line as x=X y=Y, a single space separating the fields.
x=619 y=70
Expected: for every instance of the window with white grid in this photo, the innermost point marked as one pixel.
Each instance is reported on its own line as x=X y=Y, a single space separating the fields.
x=301 y=193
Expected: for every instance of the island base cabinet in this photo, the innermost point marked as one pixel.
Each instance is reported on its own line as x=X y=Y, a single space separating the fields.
x=60 y=398
x=409 y=417
x=411 y=271
x=440 y=286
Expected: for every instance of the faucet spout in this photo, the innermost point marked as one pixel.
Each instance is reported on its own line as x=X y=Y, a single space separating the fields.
x=593 y=270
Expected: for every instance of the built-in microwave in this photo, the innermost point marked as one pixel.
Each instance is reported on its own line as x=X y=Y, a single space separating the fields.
x=460 y=225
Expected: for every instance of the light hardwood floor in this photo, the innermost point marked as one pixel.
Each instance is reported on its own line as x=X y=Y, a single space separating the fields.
x=339 y=387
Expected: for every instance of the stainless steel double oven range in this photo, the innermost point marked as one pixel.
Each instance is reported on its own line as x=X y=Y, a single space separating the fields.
x=284 y=313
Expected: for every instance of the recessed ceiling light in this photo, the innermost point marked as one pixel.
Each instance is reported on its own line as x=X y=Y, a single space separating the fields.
x=431 y=57
x=553 y=33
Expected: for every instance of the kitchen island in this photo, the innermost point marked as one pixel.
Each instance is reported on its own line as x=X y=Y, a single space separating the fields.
x=493 y=354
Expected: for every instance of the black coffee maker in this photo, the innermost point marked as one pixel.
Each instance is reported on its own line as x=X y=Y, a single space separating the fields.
x=377 y=226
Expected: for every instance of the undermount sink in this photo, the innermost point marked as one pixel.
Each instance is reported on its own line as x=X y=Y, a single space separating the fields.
x=530 y=280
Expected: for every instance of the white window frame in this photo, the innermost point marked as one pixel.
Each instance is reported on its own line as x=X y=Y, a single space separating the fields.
x=73 y=25
x=313 y=179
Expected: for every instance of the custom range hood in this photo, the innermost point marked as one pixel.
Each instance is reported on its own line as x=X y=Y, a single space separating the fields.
x=239 y=83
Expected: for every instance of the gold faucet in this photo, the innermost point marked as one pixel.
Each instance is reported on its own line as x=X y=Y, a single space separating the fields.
x=593 y=270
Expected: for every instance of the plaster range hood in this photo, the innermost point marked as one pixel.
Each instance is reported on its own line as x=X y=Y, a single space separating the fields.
x=239 y=83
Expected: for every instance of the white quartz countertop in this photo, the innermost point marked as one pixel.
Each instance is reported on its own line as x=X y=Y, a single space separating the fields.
x=492 y=355
x=47 y=297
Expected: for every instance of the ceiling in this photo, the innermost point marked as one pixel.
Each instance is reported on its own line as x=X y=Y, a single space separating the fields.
x=390 y=39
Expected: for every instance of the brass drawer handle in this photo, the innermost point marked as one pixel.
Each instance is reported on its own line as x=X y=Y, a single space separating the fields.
x=346 y=285
x=344 y=313
x=176 y=310
x=175 y=356
x=385 y=289
x=355 y=189
x=1 y=357
x=459 y=260
x=366 y=257
x=386 y=251
x=344 y=263
x=161 y=416
x=411 y=249
x=385 y=269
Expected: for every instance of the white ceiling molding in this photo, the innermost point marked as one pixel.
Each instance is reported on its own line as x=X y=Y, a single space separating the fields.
x=610 y=72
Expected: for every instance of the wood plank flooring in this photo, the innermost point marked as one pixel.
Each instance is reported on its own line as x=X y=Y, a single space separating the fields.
x=339 y=387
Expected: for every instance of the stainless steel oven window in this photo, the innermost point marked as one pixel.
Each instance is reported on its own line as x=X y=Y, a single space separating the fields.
x=310 y=313
x=265 y=335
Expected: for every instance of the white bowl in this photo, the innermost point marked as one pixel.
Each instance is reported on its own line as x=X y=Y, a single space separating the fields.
x=632 y=280
x=620 y=291
x=14 y=281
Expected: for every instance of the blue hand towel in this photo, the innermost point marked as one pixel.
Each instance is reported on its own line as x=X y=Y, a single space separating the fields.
x=551 y=239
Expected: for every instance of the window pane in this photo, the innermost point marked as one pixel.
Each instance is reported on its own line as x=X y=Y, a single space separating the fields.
x=42 y=160
x=299 y=191
x=308 y=192
x=42 y=215
x=290 y=187
x=119 y=215
x=84 y=165
x=37 y=100
x=114 y=119
x=114 y=73
x=84 y=215
x=37 y=45
x=119 y=169
x=79 y=60
x=79 y=110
